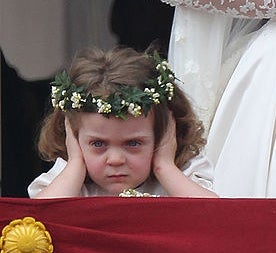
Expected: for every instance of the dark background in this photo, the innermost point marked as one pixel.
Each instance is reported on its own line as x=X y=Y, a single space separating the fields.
x=137 y=23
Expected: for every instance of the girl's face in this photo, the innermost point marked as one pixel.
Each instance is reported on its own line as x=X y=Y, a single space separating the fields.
x=117 y=152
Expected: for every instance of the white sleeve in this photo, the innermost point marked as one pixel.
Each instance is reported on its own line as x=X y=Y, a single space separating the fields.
x=200 y=170
x=234 y=8
x=45 y=179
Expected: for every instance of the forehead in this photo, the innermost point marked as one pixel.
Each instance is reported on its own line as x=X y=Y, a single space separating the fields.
x=95 y=123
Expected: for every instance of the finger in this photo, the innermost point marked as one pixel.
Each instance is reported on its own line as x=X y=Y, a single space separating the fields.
x=68 y=127
x=171 y=121
x=67 y=124
x=171 y=128
x=70 y=136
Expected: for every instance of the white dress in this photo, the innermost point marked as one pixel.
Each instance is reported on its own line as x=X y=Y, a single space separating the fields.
x=198 y=169
x=228 y=65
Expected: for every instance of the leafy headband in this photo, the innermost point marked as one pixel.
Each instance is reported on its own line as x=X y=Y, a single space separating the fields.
x=125 y=100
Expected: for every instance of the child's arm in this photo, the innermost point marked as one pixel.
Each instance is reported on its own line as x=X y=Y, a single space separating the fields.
x=70 y=180
x=169 y=175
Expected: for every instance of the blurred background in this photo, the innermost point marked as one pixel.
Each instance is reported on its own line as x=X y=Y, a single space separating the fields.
x=39 y=38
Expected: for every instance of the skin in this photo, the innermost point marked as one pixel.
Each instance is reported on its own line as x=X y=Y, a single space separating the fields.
x=169 y=175
x=119 y=154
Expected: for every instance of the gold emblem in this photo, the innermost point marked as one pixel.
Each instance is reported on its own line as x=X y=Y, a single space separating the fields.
x=25 y=236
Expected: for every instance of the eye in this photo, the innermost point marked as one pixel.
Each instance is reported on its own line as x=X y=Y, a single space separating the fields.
x=97 y=144
x=133 y=143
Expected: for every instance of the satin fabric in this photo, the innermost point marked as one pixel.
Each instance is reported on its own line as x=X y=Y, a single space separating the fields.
x=103 y=225
x=242 y=136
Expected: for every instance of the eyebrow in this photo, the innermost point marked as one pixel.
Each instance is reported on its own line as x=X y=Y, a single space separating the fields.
x=140 y=135
x=124 y=137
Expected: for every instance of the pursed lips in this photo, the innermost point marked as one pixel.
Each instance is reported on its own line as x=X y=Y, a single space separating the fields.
x=117 y=176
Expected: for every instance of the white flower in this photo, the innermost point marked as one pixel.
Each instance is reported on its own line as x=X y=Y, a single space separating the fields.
x=165 y=63
x=54 y=103
x=149 y=91
x=155 y=98
x=159 y=80
x=153 y=95
x=158 y=66
x=169 y=86
x=135 y=193
x=131 y=106
x=171 y=76
x=170 y=90
x=75 y=96
x=55 y=90
x=156 y=95
x=99 y=102
x=61 y=104
x=104 y=107
x=134 y=109
x=76 y=99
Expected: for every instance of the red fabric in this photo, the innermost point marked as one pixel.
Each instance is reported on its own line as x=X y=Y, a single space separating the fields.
x=129 y=225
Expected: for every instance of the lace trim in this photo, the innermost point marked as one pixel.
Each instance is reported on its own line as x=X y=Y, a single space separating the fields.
x=234 y=8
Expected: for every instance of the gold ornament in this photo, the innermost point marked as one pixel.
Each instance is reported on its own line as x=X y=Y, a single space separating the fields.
x=25 y=236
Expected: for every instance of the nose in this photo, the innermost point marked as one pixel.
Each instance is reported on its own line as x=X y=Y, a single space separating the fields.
x=115 y=157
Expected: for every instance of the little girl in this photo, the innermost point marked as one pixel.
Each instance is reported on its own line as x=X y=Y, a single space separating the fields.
x=120 y=122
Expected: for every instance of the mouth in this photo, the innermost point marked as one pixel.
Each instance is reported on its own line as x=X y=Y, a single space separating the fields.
x=117 y=176
x=120 y=178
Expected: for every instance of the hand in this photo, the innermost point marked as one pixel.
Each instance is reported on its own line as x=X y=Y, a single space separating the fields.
x=72 y=144
x=69 y=181
x=172 y=179
x=164 y=155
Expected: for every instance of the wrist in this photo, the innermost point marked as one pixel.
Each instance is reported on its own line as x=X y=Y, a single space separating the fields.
x=76 y=165
x=164 y=167
x=75 y=160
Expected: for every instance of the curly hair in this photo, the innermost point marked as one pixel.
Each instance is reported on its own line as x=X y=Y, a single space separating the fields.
x=102 y=72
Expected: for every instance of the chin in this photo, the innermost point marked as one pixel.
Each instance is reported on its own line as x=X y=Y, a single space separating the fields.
x=115 y=191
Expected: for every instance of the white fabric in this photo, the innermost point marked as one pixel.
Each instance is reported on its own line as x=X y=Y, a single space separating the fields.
x=240 y=92
x=198 y=169
x=204 y=50
x=241 y=139
x=233 y=8
x=196 y=57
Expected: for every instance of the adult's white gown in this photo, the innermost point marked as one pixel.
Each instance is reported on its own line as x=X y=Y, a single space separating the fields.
x=226 y=56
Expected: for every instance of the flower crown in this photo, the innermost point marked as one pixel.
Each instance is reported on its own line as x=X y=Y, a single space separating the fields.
x=125 y=100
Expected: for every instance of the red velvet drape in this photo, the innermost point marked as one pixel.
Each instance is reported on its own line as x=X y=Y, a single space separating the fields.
x=129 y=225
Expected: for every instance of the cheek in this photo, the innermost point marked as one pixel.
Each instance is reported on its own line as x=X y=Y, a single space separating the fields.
x=143 y=163
x=94 y=166
x=92 y=161
x=86 y=152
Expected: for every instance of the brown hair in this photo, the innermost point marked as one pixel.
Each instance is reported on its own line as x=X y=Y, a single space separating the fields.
x=102 y=72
